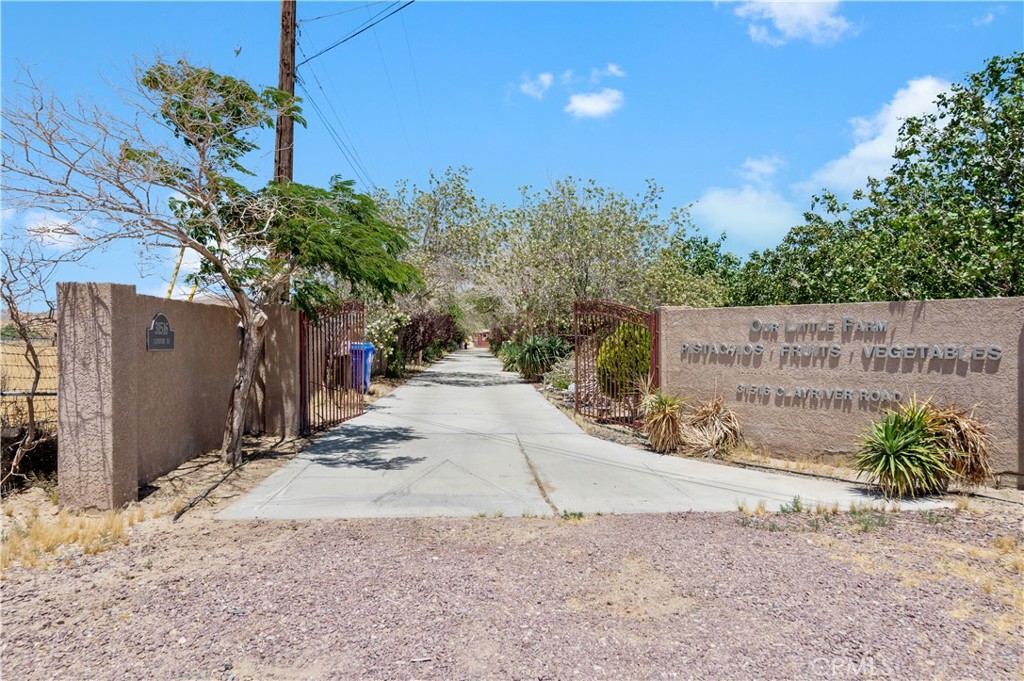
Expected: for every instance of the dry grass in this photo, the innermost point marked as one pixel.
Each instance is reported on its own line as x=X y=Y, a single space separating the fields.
x=989 y=571
x=967 y=441
x=760 y=510
x=873 y=507
x=1005 y=543
x=41 y=539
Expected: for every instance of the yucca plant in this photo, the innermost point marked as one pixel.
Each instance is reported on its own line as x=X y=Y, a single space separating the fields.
x=538 y=354
x=509 y=354
x=965 y=441
x=903 y=454
x=663 y=420
x=534 y=358
x=698 y=442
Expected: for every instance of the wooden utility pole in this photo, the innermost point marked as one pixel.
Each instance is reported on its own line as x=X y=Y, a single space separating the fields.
x=284 y=147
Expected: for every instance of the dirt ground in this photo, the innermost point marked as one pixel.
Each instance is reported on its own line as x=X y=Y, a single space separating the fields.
x=807 y=594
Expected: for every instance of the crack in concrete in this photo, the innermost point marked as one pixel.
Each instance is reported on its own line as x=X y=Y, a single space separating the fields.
x=536 y=477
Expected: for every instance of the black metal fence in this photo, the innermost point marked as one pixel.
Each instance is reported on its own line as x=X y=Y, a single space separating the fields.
x=616 y=357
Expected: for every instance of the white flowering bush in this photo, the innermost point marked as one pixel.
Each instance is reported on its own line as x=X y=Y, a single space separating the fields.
x=382 y=329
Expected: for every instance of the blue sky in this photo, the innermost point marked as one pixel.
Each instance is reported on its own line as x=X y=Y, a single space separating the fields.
x=742 y=109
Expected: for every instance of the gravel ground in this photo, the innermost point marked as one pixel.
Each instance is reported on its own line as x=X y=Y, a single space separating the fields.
x=717 y=596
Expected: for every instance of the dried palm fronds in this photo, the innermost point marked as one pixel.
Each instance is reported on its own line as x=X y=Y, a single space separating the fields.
x=698 y=442
x=966 y=442
x=718 y=421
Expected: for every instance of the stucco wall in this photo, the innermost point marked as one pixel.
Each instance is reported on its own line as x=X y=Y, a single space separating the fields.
x=979 y=343
x=127 y=415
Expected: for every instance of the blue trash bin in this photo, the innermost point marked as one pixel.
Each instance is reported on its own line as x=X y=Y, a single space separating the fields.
x=362 y=365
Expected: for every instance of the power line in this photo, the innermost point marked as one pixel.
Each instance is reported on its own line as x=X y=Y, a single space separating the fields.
x=344 y=11
x=416 y=83
x=349 y=151
x=350 y=36
x=359 y=172
x=394 y=97
x=330 y=102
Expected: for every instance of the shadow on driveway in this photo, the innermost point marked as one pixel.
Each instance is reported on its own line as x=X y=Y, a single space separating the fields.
x=465 y=379
x=364 y=446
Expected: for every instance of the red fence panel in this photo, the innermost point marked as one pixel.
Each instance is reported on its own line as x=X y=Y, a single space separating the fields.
x=331 y=369
x=616 y=356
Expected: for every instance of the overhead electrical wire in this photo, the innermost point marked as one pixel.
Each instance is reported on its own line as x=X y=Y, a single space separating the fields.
x=416 y=83
x=348 y=151
x=360 y=172
x=394 y=97
x=376 y=19
x=344 y=11
x=353 y=149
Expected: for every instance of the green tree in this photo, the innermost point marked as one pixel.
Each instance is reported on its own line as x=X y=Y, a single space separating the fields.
x=171 y=174
x=952 y=209
x=691 y=269
x=947 y=222
x=578 y=240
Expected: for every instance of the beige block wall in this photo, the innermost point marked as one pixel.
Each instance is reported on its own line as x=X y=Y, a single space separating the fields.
x=824 y=426
x=127 y=415
x=97 y=463
x=282 y=378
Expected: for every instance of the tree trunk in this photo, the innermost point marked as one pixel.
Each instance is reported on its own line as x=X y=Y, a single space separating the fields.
x=248 y=360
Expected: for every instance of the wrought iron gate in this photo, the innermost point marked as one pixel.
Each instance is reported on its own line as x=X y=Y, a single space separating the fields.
x=331 y=366
x=616 y=355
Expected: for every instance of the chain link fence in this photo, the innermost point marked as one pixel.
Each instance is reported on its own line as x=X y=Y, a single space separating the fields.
x=16 y=377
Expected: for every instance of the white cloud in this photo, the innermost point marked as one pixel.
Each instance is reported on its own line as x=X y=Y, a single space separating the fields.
x=989 y=16
x=876 y=137
x=609 y=71
x=567 y=78
x=760 y=170
x=48 y=229
x=536 y=87
x=756 y=217
x=776 y=23
x=595 y=104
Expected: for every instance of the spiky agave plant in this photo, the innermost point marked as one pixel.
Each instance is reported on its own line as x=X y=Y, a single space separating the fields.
x=538 y=354
x=902 y=454
x=663 y=420
x=509 y=354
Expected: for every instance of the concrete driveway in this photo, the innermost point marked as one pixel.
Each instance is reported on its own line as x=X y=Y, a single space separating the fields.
x=464 y=438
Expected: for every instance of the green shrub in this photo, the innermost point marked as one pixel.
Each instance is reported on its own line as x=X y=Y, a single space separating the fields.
x=794 y=506
x=562 y=373
x=396 y=365
x=538 y=354
x=509 y=355
x=624 y=360
x=903 y=454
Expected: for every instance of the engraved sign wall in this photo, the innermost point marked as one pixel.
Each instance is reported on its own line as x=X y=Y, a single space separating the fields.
x=806 y=380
